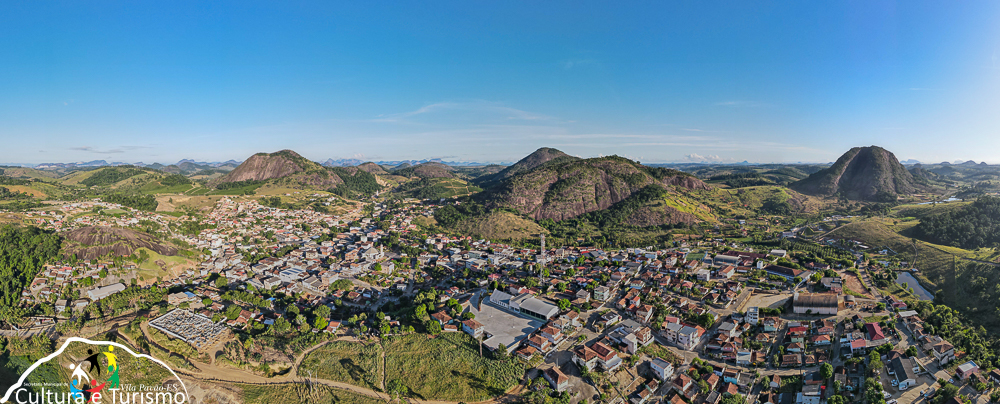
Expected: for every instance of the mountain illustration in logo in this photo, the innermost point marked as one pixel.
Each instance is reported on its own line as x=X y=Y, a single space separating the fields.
x=83 y=371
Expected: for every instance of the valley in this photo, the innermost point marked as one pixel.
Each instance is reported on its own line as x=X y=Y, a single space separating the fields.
x=363 y=277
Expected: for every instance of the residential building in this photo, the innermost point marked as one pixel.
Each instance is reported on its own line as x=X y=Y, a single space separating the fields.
x=966 y=370
x=903 y=372
x=753 y=315
x=661 y=368
x=556 y=378
x=473 y=328
x=602 y=293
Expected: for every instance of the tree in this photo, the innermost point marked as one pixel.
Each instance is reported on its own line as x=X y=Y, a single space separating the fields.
x=221 y=282
x=836 y=400
x=911 y=351
x=826 y=370
x=433 y=327
x=322 y=311
x=281 y=326
x=873 y=391
x=946 y=393
x=561 y=286
x=563 y=304
x=420 y=312
x=501 y=351
x=320 y=323
x=206 y=301
x=396 y=387
x=732 y=399
x=342 y=284
x=706 y=320
x=874 y=362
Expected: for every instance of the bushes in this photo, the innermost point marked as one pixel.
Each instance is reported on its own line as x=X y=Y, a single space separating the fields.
x=238 y=184
x=357 y=183
x=7 y=194
x=174 y=179
x=970 y=227
x=23 y=252
x=136 y=201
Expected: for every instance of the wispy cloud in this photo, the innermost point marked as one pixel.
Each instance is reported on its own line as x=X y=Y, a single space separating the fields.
x=710 y=158
x=483 y=109
x=117 y=150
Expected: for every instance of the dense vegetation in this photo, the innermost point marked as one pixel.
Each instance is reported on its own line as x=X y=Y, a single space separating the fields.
x=174 y=179
x=112 y=175
x=947 y=322
x=21 y=205
x=135 y=201
x=741 y=180
x=238 y=184
x=23 y=251
x=660 y=172
x=617 y=213
x=7 y=194
x=357 y=183
x=12 y=181
x=436 y=188
x=273 y=202
x=452 y=214
x=970 y=227
x=776 y=206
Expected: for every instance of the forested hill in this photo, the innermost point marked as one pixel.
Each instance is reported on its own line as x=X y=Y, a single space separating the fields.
x=23 y=251
x=970 y=227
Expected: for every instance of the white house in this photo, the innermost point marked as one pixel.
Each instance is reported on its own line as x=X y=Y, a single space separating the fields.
x=662 y=369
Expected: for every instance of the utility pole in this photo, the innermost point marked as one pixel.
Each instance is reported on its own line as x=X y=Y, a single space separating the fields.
x=542 y=264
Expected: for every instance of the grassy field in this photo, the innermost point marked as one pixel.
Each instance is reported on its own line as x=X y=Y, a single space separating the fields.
x=199 y=203
x=686 y=204
x=27 y=189
x=150 y=269
x=349 y=362
x=154 y=188
x=448 y=368
x=75 y=178
x=500 y=226
x=934 y=261
x=301 y=393
x=175 y=346
x=659 y=351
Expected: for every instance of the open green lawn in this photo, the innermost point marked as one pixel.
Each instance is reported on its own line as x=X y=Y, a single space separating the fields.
x=348 y=362
x=300 y=393
x=447 y=367
x=149 y=269
x=155 y=188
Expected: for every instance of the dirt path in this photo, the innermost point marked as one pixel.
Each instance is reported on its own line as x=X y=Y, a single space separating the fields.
x=294 y=372
x=212 y=373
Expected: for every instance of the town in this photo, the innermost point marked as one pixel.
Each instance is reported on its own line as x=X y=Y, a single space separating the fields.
x=694 y=321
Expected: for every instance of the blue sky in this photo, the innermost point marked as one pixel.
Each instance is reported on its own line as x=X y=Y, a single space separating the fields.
x=493 y=80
